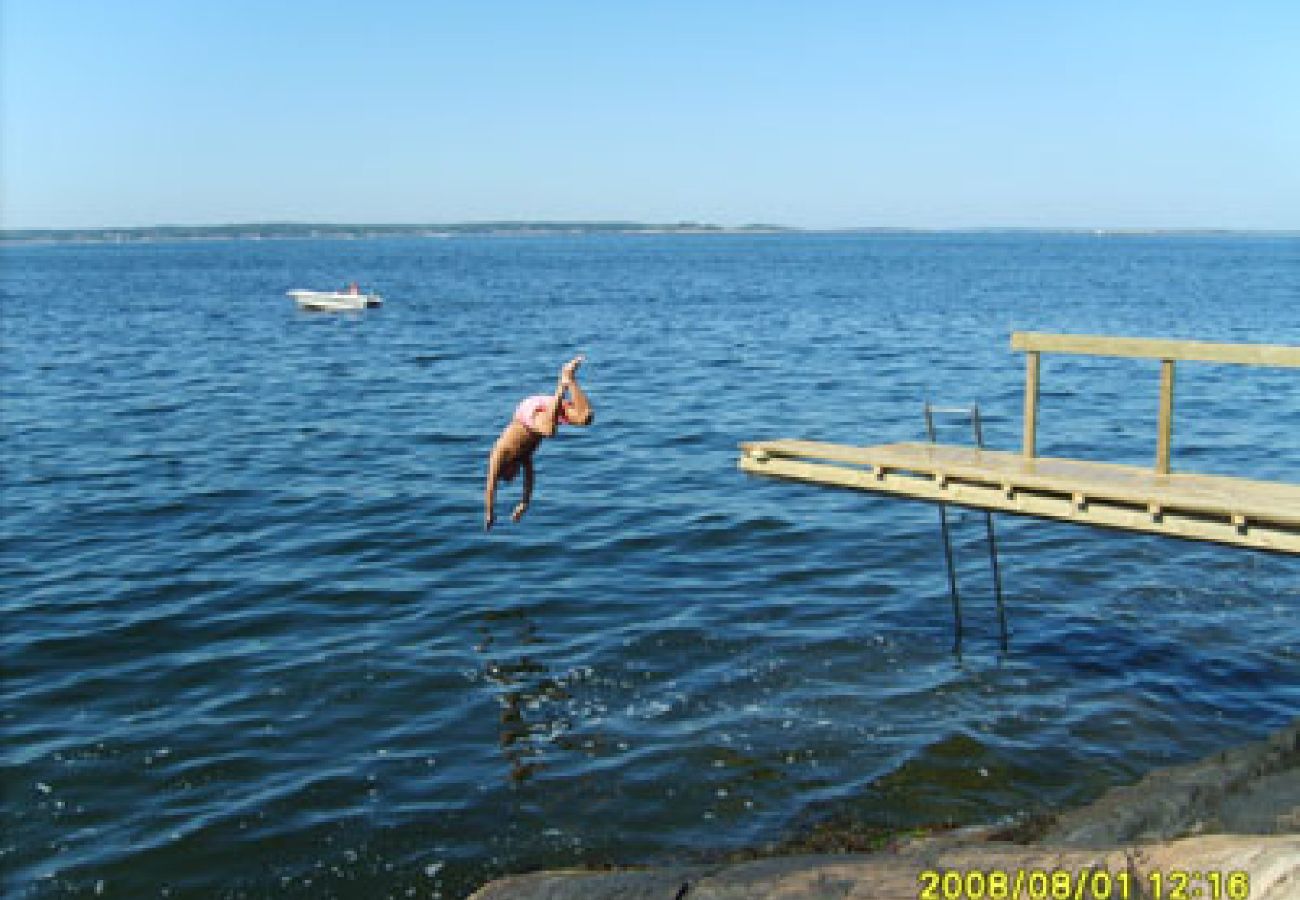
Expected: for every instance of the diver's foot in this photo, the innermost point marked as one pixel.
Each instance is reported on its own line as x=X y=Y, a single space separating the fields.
x=570 y=369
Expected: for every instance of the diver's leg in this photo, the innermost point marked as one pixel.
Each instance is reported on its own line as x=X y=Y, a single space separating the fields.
x=578 y=410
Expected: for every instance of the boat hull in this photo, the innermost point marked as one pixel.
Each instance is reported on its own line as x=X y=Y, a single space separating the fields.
x=334 y=301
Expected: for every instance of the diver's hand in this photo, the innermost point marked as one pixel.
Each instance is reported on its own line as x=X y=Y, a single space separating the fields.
x=519 y=512
x=488 y=519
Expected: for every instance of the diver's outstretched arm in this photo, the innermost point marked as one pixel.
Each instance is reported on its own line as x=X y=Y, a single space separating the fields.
x=522 y=506
x=490 y=492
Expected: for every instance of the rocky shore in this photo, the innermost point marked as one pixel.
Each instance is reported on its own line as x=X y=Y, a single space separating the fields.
x=1231 y=813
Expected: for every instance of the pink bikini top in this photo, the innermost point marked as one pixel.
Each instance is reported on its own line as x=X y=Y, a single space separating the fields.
x=531 y=406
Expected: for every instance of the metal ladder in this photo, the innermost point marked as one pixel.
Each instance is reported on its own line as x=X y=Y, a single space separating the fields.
x=971 y=412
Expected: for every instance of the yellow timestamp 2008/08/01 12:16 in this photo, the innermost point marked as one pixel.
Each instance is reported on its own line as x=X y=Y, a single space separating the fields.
x=1085 y=884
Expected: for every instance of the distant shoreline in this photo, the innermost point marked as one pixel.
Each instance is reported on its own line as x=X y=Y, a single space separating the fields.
x=357 y=231
x=293 y=230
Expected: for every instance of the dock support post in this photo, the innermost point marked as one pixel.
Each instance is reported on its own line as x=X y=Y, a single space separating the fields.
x=1165 y=423
x=1031 y=403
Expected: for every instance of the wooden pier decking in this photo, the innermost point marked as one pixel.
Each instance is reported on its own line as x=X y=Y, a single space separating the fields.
x=1262 y=515
x=1259 y=514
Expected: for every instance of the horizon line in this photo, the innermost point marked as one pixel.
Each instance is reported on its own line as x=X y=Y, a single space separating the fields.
x=680 y=225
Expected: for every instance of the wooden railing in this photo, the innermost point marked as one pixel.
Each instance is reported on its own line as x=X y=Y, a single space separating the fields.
x=1034 y=344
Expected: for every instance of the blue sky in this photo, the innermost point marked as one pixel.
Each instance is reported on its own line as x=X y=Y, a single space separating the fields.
x=817 y=114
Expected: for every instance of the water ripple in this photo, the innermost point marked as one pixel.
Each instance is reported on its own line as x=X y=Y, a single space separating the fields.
x=257 y=643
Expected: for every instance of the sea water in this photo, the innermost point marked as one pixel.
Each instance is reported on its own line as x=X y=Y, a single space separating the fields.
x=256 y=642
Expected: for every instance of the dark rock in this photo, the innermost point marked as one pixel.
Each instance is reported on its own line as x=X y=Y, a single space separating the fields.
x=657 y=884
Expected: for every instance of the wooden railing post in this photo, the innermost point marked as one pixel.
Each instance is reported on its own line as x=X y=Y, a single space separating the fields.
x=1165 y=422
x=1168 y=351
x=1031 y=403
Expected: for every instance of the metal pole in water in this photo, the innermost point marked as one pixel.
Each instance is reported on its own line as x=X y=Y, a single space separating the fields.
x=993 y=540
x=947 y=548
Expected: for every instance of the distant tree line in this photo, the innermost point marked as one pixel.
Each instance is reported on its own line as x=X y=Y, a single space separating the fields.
x=303 y=230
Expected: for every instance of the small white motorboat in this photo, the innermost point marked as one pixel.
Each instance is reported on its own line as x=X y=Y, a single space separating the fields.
x=336 y=301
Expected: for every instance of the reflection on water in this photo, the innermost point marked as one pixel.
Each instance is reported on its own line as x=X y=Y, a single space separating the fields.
x=533 y=718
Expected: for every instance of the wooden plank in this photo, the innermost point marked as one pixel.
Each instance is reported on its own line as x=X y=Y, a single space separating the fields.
x=1010 y=474
x=1031 y=404
x=1164 y=424
x=1047 y=505
x=1281 y=355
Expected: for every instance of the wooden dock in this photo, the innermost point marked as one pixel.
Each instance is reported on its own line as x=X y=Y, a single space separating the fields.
x=1261 y=515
